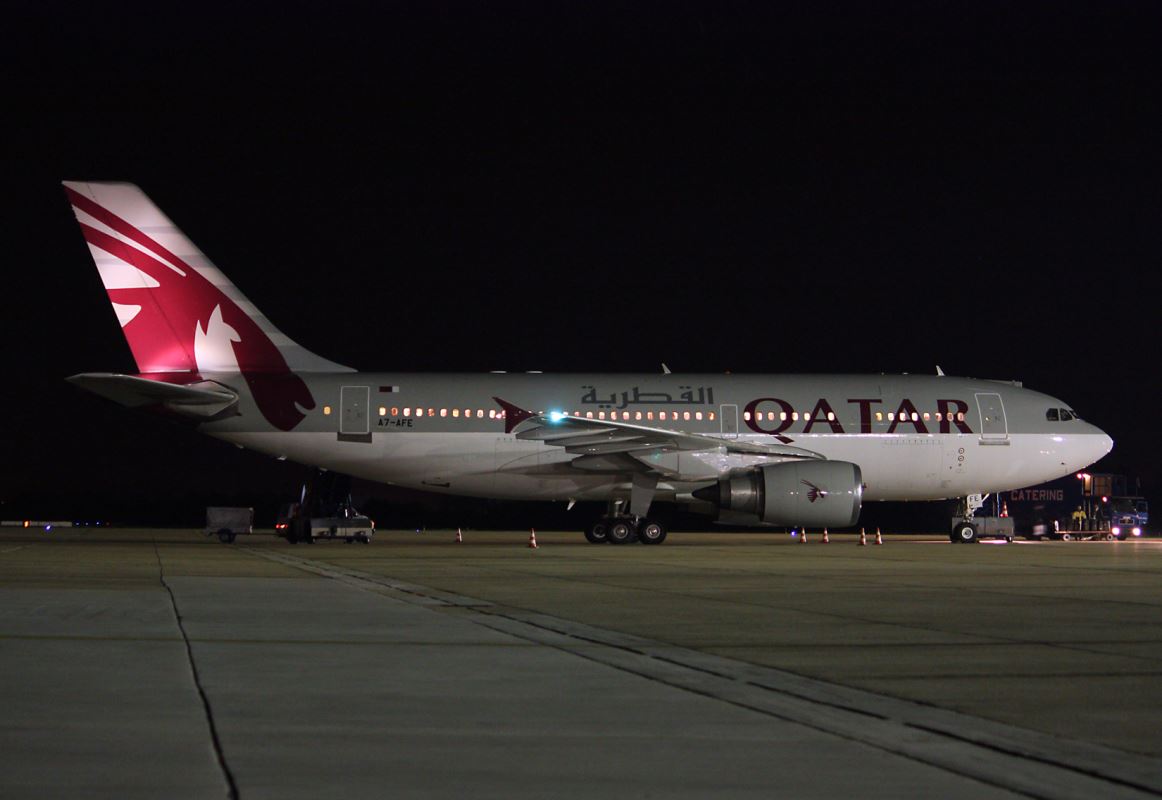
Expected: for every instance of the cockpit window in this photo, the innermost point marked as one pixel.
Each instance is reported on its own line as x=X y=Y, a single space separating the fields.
x=1066 y=415
x=1051 y=415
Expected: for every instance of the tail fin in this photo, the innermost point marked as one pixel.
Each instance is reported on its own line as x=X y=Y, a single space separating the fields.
x=178 y=312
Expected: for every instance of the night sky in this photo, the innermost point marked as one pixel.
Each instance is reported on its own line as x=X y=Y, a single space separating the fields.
x=460 y=186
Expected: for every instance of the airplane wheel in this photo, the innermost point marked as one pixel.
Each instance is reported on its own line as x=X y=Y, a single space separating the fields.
x=965 y=533
x=598 y=532
x=651 y=532
x=620 y=532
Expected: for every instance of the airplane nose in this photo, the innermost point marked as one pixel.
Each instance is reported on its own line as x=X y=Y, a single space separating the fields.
x=1100 y=444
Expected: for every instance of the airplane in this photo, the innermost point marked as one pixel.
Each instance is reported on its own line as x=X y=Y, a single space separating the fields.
x=786 y=450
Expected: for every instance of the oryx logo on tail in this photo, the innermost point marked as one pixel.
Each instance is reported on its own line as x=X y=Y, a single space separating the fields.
x=179 y=313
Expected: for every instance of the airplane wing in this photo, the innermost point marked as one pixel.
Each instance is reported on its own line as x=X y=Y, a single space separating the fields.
x=585 y=436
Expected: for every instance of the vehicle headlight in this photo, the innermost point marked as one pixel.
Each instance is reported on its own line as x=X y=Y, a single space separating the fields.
x=1116 y=531
x=1137 y=531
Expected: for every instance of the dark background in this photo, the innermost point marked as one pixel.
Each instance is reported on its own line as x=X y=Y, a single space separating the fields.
x=850 y=187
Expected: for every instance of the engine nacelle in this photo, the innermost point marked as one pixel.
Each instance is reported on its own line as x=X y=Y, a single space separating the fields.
x=818 y=493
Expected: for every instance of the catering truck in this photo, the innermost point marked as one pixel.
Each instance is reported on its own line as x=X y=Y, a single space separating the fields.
x=1085 y=505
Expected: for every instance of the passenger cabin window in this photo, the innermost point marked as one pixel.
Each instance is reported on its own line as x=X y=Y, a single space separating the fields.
x=1051 y=415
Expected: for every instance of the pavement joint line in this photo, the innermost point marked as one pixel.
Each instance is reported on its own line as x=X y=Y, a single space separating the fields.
x=994 y=766
x=13 y=549
x=1030 y=763
x=215 y=739
x=422 y=595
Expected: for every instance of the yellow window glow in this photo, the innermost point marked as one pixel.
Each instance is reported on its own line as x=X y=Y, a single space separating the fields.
x=685 y=415
x=588 y=415
x=419 y=412
x=712 y=416
x=455 y=412
x=601 y=415
x=407 y=412
x=382 y=411
x=831 y=416
x=697 y=415
x=745 y=415
x=326 y=411
x=891 y=415
x=879 y=416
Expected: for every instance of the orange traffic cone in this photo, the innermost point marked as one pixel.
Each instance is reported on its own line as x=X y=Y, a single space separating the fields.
x=879 y=537
x=459 y=536
x=532 y=539
x=826 y=538
x=803 y=536
x=862 y=537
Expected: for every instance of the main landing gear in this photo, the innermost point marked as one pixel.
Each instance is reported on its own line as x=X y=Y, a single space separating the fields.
x=621 y=524
x=622 y=529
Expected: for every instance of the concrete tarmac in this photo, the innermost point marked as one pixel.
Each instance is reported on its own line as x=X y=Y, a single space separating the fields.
x=162 y=663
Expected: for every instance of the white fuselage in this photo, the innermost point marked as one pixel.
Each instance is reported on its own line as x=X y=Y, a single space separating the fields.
x=913 y=437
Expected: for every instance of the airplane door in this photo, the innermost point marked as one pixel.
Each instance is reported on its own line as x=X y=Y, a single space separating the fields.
x=993 y=425
x=728 y=416
x=353 y=417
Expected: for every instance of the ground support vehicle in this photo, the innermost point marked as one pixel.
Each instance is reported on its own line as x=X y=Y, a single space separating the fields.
x=324 y=511
x=969 y=530
x=1082 y=506
x=227 y=523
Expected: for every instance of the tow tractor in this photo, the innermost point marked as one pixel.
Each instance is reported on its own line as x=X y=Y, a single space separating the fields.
x=967 y=528
x=324 y=511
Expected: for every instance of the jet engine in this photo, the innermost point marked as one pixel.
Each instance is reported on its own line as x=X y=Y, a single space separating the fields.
x=819 y=493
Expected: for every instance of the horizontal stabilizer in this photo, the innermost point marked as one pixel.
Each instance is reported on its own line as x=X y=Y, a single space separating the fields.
x=198 y=399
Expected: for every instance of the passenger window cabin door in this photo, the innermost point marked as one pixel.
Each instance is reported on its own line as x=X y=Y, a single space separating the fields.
x=354 y=417
x=728 y=416
x=994 y=428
